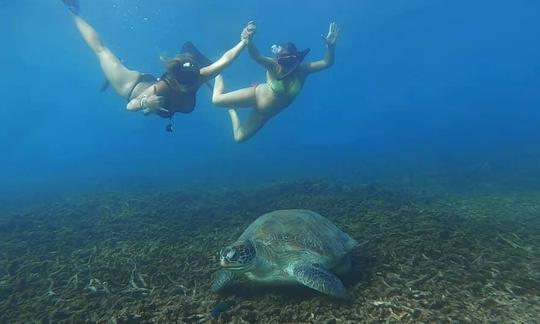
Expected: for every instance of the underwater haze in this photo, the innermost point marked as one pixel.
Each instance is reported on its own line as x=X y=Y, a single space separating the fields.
x=429 y=118
x=415 y=83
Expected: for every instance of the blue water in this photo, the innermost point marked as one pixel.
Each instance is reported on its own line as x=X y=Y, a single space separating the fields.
x=418 y=87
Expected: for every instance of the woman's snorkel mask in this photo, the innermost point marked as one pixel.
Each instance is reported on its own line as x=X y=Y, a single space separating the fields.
x=187 y=73
x=288 y=57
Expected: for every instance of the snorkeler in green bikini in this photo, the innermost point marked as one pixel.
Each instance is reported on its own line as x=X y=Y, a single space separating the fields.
x=285 y=77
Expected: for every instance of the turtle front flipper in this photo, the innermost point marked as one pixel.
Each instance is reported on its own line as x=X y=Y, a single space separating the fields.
x=222 y=280
x=318 y=278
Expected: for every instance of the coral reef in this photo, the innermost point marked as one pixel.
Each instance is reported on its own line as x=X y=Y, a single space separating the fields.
x=148 y=257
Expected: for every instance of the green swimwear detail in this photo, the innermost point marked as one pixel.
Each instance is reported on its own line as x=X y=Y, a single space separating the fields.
x=290 y=88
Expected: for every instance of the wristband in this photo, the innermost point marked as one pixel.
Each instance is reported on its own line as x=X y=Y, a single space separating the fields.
x=142 y=101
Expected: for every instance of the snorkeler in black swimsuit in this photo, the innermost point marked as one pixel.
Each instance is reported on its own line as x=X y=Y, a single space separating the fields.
x=175 y=90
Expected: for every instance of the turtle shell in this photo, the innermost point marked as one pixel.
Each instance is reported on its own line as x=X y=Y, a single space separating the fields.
x=298 y=233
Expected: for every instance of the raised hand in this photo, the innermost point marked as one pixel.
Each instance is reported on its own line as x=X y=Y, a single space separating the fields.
x=248 y=31
x=332 y=36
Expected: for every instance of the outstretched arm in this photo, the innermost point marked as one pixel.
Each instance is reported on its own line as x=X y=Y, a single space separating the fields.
x=328 y=59
x=215 y=68
x=265 y=61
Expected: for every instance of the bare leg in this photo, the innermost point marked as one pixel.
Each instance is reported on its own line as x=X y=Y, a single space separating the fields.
x=240 y=98
x=245 y=131
x=121 y=78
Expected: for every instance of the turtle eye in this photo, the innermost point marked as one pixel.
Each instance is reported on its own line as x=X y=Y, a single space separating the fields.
x=230 y=254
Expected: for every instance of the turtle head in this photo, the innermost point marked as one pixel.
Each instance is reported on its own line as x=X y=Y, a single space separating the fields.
x=238 y=256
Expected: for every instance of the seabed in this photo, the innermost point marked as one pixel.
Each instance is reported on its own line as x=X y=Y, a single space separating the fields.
x=148 y=257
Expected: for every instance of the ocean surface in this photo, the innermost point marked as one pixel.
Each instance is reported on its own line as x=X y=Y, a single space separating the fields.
x=421 y=142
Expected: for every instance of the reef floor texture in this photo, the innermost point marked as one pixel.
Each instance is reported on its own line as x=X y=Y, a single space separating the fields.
x=148 y=257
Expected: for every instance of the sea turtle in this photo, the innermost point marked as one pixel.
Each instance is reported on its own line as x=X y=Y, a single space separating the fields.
x=294 y=246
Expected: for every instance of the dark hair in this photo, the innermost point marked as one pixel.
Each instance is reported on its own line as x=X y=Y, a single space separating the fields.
x=289 y=58
x=176 y=63
x=177 y=71
x=287 y=48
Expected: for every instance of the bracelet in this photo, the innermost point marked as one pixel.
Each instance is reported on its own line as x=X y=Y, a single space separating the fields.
x=142 y=101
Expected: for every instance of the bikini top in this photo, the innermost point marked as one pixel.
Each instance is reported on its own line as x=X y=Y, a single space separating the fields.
x=289 y=86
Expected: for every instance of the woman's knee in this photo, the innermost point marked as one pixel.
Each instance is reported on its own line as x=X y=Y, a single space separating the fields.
x=239 y=138
x=239 y=135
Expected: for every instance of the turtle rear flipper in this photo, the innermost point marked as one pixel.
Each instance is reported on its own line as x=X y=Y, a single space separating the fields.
x=222 y=280
x=343 y=267
x=320 y=279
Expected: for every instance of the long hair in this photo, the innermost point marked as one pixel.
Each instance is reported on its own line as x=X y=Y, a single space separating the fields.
x=171 y=64
x=174 y=68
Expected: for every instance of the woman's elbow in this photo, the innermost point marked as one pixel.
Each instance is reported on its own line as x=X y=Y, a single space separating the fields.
x=217 y=100
x=329 y=63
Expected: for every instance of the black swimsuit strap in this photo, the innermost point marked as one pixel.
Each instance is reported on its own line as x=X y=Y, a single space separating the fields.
x=143 y=77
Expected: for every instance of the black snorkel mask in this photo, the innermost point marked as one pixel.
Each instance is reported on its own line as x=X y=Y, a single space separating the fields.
x=288 y=58
x=187 y=73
